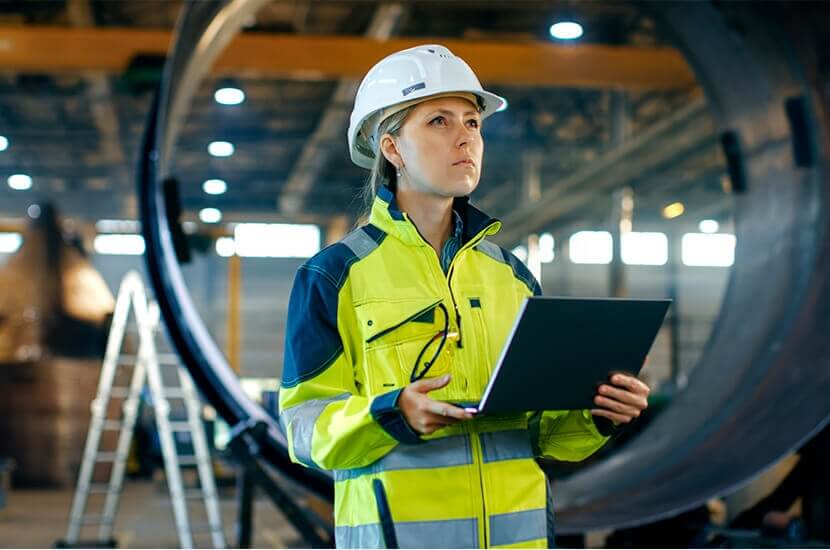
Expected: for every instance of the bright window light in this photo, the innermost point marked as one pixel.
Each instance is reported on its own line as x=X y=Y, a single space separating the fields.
x=225 y=247
x=214 y=187
x=4 y=143
x=701 y=249
x=673 y=210
x=276 y=240
x=20 y=182
x=10 y=242
x=645 y=248
x=546 y=251
x=118 y=226
x=566 y=30
x=521 y=253
x=709 y=226
x=210 y=215
x=221 y=148
x=229 y=96
x=591 y=247
x=127 y=245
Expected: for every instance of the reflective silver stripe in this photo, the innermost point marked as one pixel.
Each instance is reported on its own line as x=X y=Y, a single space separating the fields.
x=518 y=527
x=359 y=243
x=492 y=250
x=506 y=445
x=359 y=536
x=301 y=419
x=450 y=533
x=454 y=450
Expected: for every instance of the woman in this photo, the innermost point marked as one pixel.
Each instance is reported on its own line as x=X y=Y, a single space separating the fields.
x=394 y=326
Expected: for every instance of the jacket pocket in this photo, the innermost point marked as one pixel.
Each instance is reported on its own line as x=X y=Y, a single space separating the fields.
x=393 y=334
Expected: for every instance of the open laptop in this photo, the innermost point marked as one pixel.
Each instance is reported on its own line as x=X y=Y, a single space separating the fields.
x=561 y=349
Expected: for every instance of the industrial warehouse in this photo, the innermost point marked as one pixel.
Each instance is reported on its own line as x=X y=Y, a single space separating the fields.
x=414 y=274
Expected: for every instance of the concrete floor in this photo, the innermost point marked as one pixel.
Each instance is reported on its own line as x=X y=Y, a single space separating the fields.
x=38 y=518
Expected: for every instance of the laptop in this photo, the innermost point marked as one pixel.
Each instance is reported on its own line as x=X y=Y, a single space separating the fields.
x=561 y=349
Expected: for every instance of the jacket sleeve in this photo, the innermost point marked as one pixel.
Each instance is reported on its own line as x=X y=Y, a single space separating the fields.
x=568 y=436
x=328 y=424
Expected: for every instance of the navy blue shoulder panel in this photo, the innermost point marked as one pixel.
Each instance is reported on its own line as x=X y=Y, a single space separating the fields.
x=312 y=341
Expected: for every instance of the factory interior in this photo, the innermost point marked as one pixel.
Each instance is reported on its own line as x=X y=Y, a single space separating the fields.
x=168 y=165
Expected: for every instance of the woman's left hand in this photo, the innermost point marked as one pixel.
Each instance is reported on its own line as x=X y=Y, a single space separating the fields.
x=623 y=400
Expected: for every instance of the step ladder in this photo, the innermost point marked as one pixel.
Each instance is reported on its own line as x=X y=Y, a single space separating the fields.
x=148 y=367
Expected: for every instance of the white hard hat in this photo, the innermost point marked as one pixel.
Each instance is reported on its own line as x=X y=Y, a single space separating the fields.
x=413 y=74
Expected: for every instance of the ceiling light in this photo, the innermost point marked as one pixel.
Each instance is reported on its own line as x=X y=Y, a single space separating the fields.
x=673 y=210
x=214 y=187
x=566 y=30
x=33 y=211
x=709 y=226
x=229 y=96
x=20 y=182
x=4 y=143
x=210 y=215
x=221 y=148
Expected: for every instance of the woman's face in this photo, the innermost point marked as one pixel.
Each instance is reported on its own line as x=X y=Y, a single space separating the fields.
x=440 y=147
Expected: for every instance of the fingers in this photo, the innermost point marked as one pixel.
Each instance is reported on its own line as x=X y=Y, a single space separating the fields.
x=429 y=384
x=616 y=406
x=631 y=383
x=638 y=401
x=445 y=410
x=616 y=417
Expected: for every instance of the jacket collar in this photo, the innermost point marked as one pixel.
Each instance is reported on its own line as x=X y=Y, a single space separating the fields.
x=387 y=216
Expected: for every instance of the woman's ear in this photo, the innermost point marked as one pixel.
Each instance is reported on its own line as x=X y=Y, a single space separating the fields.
x=390 y=150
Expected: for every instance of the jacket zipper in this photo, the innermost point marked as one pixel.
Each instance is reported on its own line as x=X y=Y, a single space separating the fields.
x=479 y=460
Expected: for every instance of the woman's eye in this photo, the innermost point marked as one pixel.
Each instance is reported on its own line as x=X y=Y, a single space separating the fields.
x=474 y=122
x=437 y=118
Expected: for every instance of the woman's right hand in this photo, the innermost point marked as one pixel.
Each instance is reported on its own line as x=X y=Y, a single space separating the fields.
x=425 y=415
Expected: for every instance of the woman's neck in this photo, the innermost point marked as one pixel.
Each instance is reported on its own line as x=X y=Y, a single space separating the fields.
x=431 y=214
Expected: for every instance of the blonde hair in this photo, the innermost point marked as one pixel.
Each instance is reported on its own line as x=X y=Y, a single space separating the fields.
x=383 y=172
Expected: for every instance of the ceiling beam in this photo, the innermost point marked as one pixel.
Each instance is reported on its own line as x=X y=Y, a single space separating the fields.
x=54 y=49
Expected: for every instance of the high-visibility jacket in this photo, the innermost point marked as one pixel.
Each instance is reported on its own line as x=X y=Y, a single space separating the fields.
x=360 y=313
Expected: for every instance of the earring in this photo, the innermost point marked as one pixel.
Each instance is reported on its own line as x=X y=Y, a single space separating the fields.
x=398 y=172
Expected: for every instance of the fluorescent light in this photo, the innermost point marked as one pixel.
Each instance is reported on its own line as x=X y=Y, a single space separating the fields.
x=220 y=148
x=566 y=30
x=214 y=187
x=210 y=215
x=709 y=226
x=229 y=96
x=276 y=240
x=521 y=253
x=701 y=249
x=225 y=246
x=20 y=182
x=673 y=210
x=591 y=247
x=4 y=143
x=127 y=245
x=546 y=251
x=644 y=248
x=118 y=226
x=10 y=242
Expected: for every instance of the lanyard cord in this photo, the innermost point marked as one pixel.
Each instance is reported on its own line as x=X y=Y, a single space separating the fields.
x=415 y=375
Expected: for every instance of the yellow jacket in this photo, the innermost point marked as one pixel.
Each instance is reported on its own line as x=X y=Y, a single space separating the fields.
x=359 y=314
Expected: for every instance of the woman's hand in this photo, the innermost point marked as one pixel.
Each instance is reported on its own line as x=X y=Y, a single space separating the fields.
x=425 y=415
x=623 y=400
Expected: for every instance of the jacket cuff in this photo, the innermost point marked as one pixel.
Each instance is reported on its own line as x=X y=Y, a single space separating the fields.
x=605 y=426
x=385 y=411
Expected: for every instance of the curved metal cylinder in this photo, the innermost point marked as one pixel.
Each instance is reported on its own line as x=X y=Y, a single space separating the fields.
x=760 y=388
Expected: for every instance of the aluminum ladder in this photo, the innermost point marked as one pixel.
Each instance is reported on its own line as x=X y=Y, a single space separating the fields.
x=148 y=367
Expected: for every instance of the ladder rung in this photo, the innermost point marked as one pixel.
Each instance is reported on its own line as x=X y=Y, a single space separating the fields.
x=188 y=460
x=180 y=426
x=175 y=393
x=112 y=425
x=169 y=359
x=204 y=527
x=94 y=520
x=120 y=391
x=106 y=457
x=99 y=489
x=194 y=494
